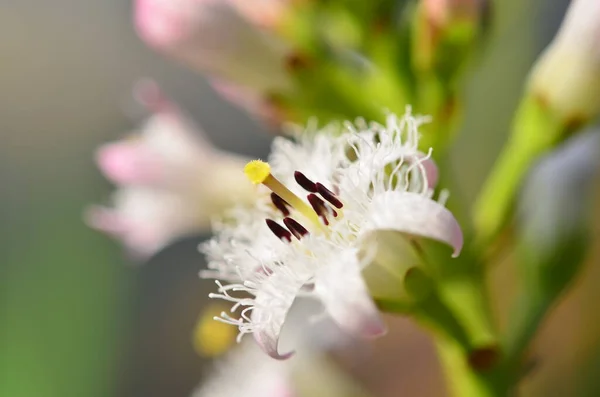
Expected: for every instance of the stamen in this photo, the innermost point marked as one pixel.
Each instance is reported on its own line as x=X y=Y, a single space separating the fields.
x=279 y=230
x=320 y=208
x=259 y=172
x=280 y=204
x=304 y=182
x=297 y=229
x=329 y=196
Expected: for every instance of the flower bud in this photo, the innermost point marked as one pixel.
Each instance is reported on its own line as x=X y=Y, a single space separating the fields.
x=562 y=97
x=214 y=37
x=567 y=77
x=554 y=213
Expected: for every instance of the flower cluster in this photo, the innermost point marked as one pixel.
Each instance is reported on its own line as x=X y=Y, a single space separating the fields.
x=322 y=197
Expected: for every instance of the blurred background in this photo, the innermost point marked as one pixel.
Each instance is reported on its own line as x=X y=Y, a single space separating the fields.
x=78 y=318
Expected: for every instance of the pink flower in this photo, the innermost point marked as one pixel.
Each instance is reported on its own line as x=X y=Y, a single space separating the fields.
x=217 y=37
x=171 y=180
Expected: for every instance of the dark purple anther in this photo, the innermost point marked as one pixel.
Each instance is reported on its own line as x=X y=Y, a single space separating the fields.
x=306 y=183
x=319 y=207
x=297 y=229
x=279 y=230
x=329 y=196
x=280 y=204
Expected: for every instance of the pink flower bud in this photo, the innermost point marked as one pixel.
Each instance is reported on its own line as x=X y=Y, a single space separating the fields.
x=216 y=37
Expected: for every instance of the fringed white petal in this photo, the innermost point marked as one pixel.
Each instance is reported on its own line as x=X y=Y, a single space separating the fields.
x=341 y=288
x=416 y=215
x=272 y=303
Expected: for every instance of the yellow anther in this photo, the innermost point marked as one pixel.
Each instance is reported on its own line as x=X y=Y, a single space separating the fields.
x=257 y=171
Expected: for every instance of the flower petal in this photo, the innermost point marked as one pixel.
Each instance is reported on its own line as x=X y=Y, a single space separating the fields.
x=129 y=162
x=272 y=303
x=417 y=215
x=105 y=220
x=252 y=101
x=566 y=74
x=342 y=290
x=145 y=220
x=264 y=13
x=246 y=371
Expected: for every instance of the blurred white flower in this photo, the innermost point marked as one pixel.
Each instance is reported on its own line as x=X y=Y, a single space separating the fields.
x=246 y=371
x=171 y=180
x=567 y=76
x=217 y=37
x=368 y=179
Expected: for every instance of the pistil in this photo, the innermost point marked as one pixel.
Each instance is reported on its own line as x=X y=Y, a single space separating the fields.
x=259 y=172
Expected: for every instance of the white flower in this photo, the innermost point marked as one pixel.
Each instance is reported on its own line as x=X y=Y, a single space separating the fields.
x=171 y=180
x=368 y=179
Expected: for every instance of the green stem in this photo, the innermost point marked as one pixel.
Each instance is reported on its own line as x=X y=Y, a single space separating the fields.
x=535 y=130
x=462 y=287
x=433 y=313
x=463 y=380
x=466 y=296
x=529 y=313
